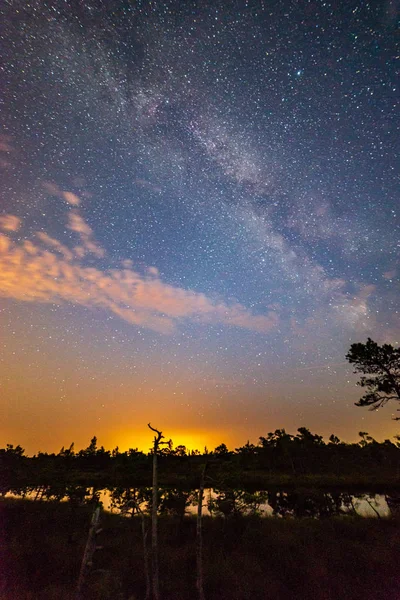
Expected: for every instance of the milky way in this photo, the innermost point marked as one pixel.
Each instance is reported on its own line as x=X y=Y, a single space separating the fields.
x=199 y=214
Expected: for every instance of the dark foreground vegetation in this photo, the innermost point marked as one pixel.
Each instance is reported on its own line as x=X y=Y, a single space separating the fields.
x=244 y=558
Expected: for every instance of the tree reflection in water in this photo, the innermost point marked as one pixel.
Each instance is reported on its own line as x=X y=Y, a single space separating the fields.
x=224 y=502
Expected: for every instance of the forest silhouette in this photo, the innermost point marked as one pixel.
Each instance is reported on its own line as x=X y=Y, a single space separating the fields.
x=278 y=458
x=196 y=526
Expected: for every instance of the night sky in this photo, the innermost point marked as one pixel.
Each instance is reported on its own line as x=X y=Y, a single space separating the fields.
x=199 y=215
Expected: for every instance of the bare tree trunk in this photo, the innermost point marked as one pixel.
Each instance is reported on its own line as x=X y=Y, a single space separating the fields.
x=154 y=529
x=146 y=558
x=154 y=517
x=373 y=508
x=353 y=507
x=145 y=550
x=199 y=537
x=39 y=493
x=89 y=551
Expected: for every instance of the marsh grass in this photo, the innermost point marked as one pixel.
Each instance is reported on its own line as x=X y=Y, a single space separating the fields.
x=245 y=558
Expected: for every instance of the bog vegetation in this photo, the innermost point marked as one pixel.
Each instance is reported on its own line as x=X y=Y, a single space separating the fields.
x=74 y=550
x=244 y=557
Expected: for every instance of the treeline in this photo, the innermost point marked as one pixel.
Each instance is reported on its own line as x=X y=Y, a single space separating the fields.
x=279 y=457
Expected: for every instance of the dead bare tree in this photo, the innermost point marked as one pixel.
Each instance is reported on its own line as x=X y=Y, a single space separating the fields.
x=140 y=512
x=90 y=549
x=154 y=516
x=199 y=537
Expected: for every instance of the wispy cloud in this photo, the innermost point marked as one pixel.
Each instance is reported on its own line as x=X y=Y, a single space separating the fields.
x=72 y=198
x=78 y=224
x=55 y=245
x=89 y=245
x=46 y=271
x=9 y=222
x=54 y=190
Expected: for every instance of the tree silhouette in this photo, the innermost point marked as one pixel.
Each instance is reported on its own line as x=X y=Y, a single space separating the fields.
x=154 y=531
x=382 y=364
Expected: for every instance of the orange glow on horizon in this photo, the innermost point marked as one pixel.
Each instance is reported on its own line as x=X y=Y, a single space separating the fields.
x=143 y=440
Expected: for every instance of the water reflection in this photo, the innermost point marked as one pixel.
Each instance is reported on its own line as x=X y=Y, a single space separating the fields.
x=227 y=503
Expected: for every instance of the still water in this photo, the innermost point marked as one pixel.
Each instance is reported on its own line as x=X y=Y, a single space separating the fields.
x=281 y=503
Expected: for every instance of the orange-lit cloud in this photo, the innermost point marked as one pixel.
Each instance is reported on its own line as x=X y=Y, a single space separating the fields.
x=153 y=271
x=72 y=198
x=45 y=270
x=55 y=244
x=9 y=222
x=76 y=223
x=88 y=244
x=53 y=189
